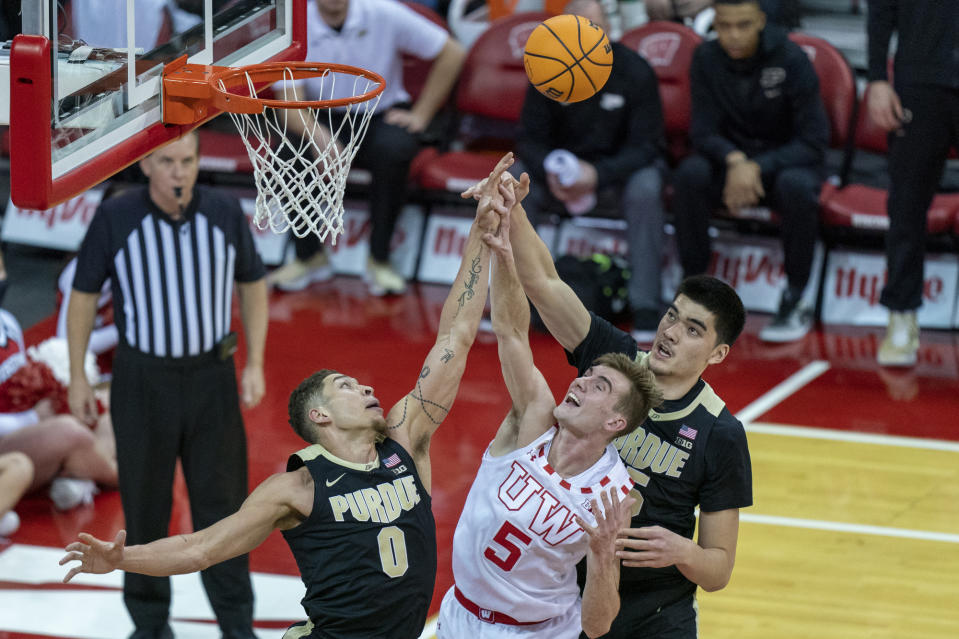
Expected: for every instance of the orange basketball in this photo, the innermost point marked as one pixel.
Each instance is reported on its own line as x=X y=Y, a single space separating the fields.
x=568 y=58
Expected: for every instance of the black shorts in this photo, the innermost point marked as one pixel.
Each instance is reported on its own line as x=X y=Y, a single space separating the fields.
x=678 y=620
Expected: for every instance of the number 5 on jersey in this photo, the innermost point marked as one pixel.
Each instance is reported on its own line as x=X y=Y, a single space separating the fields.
x=503 y=539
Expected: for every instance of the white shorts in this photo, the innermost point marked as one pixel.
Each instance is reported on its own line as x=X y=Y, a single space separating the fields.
x=456 y=622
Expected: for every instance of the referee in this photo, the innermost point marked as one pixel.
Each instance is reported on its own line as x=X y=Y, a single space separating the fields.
x=172 y=252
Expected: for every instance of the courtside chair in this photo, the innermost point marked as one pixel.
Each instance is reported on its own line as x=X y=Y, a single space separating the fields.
x=489 y=99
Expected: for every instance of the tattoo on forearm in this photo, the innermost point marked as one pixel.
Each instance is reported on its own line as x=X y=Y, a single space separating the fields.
x=447 y=355
x=471 y=279
x=434 y=412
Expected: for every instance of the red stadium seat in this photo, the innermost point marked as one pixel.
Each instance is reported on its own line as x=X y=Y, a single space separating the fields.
x=860 y=206
x=837 y=85
x=668 y=47
x=489 y=99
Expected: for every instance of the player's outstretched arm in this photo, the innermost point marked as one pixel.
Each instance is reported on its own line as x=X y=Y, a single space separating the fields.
x=270 y=506
x=414 y=419
x=601 y=593
x=533 y=403
x=564 y=314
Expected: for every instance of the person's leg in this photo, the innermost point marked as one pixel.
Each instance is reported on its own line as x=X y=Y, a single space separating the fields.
x=916 y=159
x=917 y=155
x=144 y=408
x=387 y=152
x=794 y=193
x=697 y=190
x=60 y=445
x=644 y=213
x=16 y=475
x=214 y=459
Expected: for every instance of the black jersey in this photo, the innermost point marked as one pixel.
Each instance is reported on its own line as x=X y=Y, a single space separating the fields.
x=367 y=552
x=690 y=451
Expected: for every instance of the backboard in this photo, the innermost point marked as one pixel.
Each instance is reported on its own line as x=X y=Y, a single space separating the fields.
x=86 y=76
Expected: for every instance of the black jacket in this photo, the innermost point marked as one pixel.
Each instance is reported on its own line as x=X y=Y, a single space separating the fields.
x=928 y=49
x=619 y=130
x=767 y=106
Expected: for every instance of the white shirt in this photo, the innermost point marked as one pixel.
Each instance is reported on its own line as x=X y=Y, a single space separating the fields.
x=516 y=544
x=373 y=37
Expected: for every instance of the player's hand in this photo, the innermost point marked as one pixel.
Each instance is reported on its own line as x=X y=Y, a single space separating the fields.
x=652 y=547
x=80 y=398
x=252 y=386
x=406 y=119
x=884 y=106
x=610 y=520
x=490 y=198
x=498 y=240
x=744 y=185
x=95 y=556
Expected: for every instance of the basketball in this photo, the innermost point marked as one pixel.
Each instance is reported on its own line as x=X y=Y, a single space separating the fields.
x=568 y=58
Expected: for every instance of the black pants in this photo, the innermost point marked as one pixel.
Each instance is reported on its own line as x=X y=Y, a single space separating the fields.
x=387 y=152
x=917 y=155
x=793 y=192
x=674 y=620
x=163 y=409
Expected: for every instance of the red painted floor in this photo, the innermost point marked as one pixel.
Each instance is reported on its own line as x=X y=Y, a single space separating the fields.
x=382 y=342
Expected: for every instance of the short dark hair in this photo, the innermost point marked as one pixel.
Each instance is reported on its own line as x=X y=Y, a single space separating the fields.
x=720 y=299
x=643 y=394
x=303 y=398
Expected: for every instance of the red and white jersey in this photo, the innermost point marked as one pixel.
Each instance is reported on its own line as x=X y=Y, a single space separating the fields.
x=516 y=544
x=12 y=353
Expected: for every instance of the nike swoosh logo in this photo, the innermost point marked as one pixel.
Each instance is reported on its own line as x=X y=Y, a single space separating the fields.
x=330 y=483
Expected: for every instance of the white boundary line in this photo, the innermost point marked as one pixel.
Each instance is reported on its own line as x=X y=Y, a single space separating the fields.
x=784 y=389
x=810 y=432
x=861 y=529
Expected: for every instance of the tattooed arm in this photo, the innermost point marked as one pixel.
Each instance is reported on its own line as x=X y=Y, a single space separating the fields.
x=414 y=419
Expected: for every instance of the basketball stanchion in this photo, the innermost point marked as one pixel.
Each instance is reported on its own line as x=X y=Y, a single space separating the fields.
x=568 y=58
x=301 y=150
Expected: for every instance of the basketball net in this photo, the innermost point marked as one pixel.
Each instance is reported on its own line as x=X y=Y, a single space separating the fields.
x=301 y=180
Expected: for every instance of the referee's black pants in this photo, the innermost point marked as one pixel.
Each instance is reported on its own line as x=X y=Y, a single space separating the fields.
x=917 y=155
x=386 y=152
x=163 y=409
x=793 y=192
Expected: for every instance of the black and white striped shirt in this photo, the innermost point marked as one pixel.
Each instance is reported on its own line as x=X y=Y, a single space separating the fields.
x=172 y=279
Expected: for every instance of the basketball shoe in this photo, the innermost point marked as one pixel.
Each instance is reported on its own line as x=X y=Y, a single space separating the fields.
x=901 y=344
x=382 y=279
x=68 y=493
x=791 y=322
x=9 y=523
x=298 y=274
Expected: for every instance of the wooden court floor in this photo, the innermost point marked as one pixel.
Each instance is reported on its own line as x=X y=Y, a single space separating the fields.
x=854 y=532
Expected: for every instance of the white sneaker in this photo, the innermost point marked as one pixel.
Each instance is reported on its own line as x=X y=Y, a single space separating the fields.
x=67 y=492
x=791 y=322
x=299 y=274
x=381 y=279
x=900 y=347
x=9 y=523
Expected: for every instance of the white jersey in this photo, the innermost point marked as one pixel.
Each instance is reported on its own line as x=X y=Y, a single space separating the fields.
x=516 y=544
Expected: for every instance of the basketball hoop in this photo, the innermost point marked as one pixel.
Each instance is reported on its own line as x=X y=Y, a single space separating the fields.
x=300 y=180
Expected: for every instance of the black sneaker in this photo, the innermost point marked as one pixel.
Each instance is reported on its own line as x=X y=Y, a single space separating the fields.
x=791 y=322
x=645 y=324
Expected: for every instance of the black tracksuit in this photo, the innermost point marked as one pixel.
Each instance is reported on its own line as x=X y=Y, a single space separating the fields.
x=926 y=77
x=617 y=142
x=767 y=106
